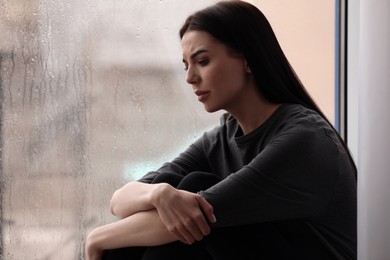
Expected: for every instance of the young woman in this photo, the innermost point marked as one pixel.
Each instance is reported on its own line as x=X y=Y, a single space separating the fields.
x=273 y=181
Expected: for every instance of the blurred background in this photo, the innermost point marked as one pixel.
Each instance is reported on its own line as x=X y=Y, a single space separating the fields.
x=93 y=95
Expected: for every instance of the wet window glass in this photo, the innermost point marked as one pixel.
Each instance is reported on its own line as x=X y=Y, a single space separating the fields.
x=93 y=95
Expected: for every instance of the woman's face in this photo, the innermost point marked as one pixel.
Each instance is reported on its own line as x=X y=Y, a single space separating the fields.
x=219 y=77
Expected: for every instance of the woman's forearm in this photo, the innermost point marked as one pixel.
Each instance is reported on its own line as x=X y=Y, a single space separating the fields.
x=178 y=215
x=132 y=198
x=141 y=229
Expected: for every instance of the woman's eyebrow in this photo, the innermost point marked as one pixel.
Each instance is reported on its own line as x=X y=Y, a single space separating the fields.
x=193 y=55
x=196 y=53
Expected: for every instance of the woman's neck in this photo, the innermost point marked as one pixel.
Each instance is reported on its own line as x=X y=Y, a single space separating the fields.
x=253 y=112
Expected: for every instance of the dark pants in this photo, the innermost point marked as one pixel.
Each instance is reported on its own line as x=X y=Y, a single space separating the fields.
x=258 y=241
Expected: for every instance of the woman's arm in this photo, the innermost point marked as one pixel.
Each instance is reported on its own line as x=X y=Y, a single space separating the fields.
x=135 y=196
x=183 y=213
x=178 y=215
x=132 y=198
x=141 y=229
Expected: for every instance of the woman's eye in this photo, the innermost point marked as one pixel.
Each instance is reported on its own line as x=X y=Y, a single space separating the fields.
x=203 y=62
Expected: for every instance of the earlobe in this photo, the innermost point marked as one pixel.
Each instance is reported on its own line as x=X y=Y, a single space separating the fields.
x=247 y=68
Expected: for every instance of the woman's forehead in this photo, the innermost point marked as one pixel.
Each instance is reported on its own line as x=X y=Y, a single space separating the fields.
x=193 y=41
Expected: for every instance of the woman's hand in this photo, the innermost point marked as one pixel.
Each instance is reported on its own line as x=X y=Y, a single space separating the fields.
x=183 y=213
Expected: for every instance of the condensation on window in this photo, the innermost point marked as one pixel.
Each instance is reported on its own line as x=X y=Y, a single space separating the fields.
x=93 y=95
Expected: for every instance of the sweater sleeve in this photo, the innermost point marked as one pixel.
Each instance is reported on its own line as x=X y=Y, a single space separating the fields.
x=292 y=177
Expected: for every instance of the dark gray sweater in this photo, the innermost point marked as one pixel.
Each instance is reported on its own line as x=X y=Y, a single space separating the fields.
x=291 y=168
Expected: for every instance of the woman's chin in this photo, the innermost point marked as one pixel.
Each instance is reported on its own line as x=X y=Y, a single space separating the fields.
x=211 y=109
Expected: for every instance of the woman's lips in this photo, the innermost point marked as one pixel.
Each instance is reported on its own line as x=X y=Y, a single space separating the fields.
x=202 y=95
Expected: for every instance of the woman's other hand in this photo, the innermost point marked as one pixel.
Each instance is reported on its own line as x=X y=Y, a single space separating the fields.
x=185 y=214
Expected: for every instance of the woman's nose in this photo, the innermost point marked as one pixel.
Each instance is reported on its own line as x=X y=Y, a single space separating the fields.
x=192 y=77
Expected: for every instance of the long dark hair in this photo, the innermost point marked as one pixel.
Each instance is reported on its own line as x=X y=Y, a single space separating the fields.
x=245 y=29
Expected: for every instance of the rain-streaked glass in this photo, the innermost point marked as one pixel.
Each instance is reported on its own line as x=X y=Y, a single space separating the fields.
x=93 y=94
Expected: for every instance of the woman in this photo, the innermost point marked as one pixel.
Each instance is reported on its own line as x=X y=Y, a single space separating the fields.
x=273 y=181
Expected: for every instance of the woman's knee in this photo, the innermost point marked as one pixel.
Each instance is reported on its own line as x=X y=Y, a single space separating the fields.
x=197 y=181
x=171 y=178
x=193 y=182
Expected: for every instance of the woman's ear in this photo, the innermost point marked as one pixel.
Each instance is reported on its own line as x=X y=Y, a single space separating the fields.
x=247 y=68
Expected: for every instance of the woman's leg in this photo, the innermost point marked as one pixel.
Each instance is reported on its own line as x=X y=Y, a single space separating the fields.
x=134 y=253
x=287 y=239
x=250 y=242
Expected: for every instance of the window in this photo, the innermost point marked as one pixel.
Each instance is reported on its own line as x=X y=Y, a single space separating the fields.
x=93 y=95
